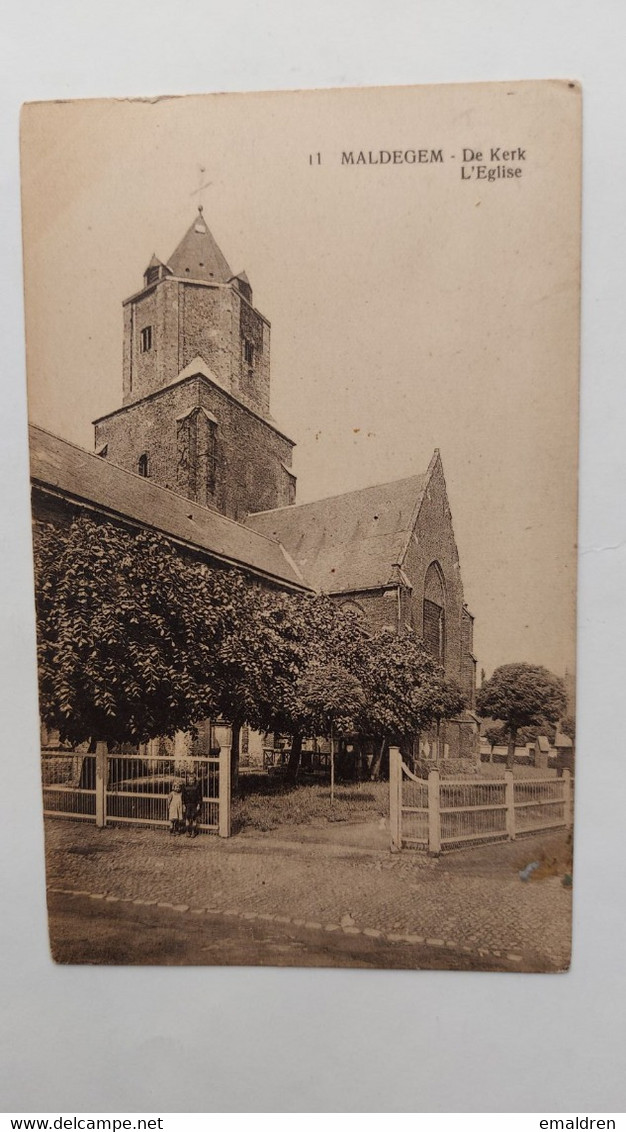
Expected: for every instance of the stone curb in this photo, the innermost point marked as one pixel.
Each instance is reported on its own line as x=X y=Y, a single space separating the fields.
x=313 y=925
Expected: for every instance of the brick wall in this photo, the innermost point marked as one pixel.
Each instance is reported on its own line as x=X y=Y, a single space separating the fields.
x=433 y=541
x=191 y=319
x=468 y=664
x=143 y=372
x=379 y=607
x=249 y=453
x=252 y=384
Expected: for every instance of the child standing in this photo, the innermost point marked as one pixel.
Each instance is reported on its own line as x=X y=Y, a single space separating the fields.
x=175 y=807
x=192 y=801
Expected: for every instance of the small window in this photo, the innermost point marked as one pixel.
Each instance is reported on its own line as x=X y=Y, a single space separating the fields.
x=248 y=352
x=143 y=466
x=146 y=339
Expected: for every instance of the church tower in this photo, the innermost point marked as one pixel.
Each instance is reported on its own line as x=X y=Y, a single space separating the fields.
x=195 y=413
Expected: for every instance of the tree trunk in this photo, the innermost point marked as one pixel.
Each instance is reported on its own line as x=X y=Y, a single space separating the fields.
x=358 y=760
x=510 y=754
x=234 y=757
x=365 y=764
x=332 y=767
x=491 y=752
x=295 y=755
x=377 y=760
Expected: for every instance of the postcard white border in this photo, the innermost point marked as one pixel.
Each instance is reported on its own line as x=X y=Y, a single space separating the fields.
x=105 y=1040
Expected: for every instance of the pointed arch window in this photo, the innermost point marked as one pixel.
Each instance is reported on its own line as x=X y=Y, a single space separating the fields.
x=143 y=465
x=434 y=614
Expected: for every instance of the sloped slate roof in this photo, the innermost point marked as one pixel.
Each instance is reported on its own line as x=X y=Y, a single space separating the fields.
x=198 y=256
x=349 y=542
x=79 y=476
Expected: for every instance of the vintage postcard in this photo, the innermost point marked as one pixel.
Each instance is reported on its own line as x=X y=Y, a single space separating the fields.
x=303 y=391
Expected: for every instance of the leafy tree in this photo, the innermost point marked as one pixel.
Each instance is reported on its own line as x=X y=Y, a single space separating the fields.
x=499 y=735
x=530 y=734
x=522 y=695
x=322 y=636
x=332 y=699
x=406 y=690
x=126 y=633
x=137 y=641
x=495 y=736
x=446 y=701
x=568 y=727
x=257 y=662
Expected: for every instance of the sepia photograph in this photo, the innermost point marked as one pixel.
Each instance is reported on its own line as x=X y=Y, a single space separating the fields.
x=303 y=376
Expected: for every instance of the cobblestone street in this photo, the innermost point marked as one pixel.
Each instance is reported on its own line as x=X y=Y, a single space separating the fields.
x=472 y=900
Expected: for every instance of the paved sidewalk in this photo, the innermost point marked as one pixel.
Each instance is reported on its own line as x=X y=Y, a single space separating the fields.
x=472 y=899
x=112 y=932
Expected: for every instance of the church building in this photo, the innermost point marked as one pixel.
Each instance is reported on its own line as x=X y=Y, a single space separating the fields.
x=195 y=425
x=195 y=413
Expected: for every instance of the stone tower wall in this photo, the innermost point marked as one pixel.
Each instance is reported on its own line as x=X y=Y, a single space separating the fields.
x=190 y=319
x=249 y=456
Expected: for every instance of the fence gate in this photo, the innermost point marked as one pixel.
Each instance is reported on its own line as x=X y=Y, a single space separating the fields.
x=69 y=785
x=438 y=814
x=112 y=789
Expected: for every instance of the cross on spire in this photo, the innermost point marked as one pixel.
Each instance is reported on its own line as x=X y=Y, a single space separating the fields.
x=202 y=185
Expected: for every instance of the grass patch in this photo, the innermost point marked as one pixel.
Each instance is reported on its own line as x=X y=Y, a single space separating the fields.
x=265 y=803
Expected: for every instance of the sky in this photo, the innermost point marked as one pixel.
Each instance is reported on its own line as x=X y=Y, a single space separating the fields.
x=412 y=307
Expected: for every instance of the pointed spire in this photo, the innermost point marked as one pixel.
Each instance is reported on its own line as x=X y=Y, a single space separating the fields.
x=198 y=256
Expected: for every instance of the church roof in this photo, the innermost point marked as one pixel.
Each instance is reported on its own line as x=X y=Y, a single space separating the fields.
x=198 y=256
x=349 y=542
x=79 y=476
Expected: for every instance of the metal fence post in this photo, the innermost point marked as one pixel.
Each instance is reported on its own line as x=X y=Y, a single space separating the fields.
x=224 y=793
x=395 y=798
x=509 y=798
x=567 y=798
x=434 y=815
x=101 y=784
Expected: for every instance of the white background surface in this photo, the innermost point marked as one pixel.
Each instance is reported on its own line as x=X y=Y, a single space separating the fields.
x=111 y=1040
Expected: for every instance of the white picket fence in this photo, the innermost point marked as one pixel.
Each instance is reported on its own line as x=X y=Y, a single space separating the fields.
x=437 y=814
x=118 y=789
